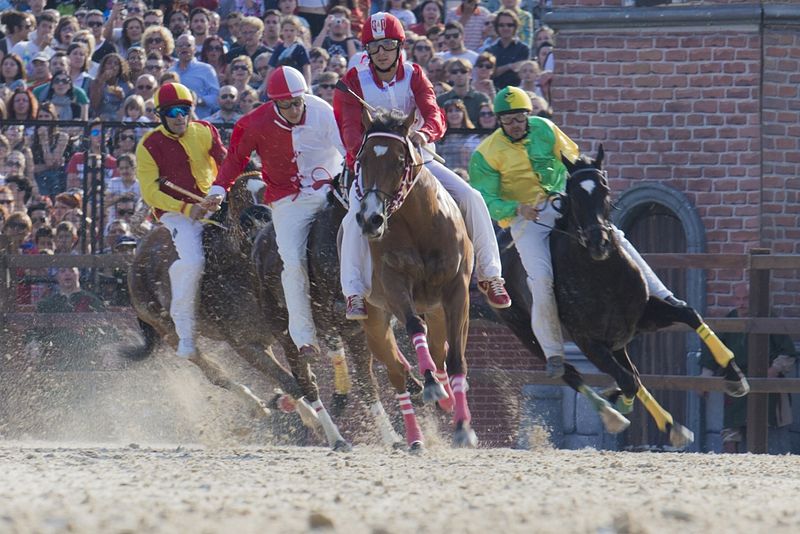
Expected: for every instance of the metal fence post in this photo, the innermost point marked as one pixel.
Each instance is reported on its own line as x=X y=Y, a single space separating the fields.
x=758 y=358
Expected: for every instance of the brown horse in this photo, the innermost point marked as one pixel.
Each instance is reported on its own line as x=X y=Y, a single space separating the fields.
x=422 y=261
x=229 y=309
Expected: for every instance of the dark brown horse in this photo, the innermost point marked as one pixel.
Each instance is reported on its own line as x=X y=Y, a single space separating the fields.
x=422 y=261
x=228 y=310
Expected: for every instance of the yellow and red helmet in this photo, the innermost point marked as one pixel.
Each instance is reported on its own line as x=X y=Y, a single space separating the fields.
x=172 y=94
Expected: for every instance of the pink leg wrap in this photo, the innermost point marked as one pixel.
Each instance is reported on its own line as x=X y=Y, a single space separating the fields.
x=413 y=433
x=423 y=354
x=460 y=387
x=445 y=404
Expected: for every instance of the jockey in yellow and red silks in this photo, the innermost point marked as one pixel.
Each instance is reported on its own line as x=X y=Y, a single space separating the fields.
x=515 y=169
x=387 y=81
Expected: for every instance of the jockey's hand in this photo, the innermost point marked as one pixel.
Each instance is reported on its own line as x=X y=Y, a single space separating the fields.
x=211 y=202
x=197 y=212
x=418 y=139
x=528 y=212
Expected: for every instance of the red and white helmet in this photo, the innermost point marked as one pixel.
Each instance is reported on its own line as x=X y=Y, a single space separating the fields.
x=286 y=83
x=382 y=26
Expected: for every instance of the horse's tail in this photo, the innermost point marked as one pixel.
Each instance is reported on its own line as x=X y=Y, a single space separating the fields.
x=151 y=342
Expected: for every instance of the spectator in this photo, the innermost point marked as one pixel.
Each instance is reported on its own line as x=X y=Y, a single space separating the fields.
x=272 y=29
x=471 y=16
x=456 y=114
x=66 y=238
x=36 y=7
x=489 y=33
x=337 y=64
x=3 y=215
x=440 y=88
x=136 y=58
x=39 y=214
x=227 y=112
x=460 y=73
x=22 y=190
x=136 y=7
x=487 y=120
x=40 y=73
x=260 y=70
x=123 y=186
x=39 y=40
x=109 y=90
x=6 y=199
x=178 y=23
x=95 y=22
x=484 y=72
x=133 y=109
x=529 y=77
x=169 y=77
x=782 y=358
x=336 y=36
x=150 y=110
x=71 y=103
x=62 y=204
x=454 y=40
x=250 y=30
x=326 y=86
x=18 y=25
x=422 y=52
x=230 y=31
x=436 y=35
x=124 y=141
x=240 y=73
x=22 y=105
x=20 y=153
x=75 y=167
x=291 y=53
x=79 y=63
x=290 y=8
x=199 y=24
x=546 y=60
x=158 y=39
x=319 y=58
x=525 y=27
x=50 y=153
x=399 y=8
x=12 y=72
x=199 y=77
x=45 y=240
x=545 y=34
x=18 y=228
x=248 y=100
x=154 y=65
x=509 y=52
x=75 y=216
x=66 y=29
x=153 y=17
x=146 y=86
x=114 y=231
x=129 y=35
x=435 y=69
x=213 y=53
x=80 y=16
x=431 y=17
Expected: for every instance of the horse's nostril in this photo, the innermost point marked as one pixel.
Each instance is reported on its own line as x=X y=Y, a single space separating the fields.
x=359 y=218
x=376 y=220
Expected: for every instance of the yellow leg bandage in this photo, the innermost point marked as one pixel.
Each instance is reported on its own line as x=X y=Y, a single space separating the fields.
x=341 y=378
x=722 y=354
x=660 y=415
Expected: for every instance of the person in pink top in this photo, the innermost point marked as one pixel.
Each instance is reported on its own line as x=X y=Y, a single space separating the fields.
x=387 y=81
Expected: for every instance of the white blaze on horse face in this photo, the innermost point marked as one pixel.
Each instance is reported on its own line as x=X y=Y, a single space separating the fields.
x=371 y=205
x=380 y=150
x=588 y=186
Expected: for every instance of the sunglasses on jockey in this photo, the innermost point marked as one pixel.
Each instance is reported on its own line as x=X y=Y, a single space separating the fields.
x=387 y=44
x=177 y=111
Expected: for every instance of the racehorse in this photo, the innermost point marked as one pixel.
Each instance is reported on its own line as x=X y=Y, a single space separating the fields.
x=229 y=309
x=603 y=303
x=422 y=261
x=339 y=334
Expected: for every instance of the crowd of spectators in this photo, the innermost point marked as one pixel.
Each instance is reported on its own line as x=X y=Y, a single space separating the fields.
x=101 y=62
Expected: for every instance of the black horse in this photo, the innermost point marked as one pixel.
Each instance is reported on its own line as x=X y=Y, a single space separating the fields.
x=603 y=302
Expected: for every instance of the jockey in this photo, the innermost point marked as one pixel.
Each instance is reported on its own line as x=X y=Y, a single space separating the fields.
x=516 y=168
x=186 y=153
x=391 y=83
x=296 y=137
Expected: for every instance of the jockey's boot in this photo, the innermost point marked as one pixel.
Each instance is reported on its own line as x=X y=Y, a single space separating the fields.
x=356 y=308
x=495 y=291
x=554 y=367
x=675 y=301
x=186 y=349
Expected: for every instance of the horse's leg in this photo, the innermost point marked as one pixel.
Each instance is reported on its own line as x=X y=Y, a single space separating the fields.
x=342 y=384
x=381 y=342
x=437 y=340
x=659 y=314
x=417 y=330
x=218 y=377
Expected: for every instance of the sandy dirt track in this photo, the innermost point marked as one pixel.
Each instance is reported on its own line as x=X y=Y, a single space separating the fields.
x=73 y=488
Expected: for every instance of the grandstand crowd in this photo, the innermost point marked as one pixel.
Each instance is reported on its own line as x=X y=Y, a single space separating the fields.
x=77 y=80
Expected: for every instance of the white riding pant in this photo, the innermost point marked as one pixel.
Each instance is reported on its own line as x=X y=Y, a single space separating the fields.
x=292 y=221
x=185 y=273
x=356 y=263
x=533 y=245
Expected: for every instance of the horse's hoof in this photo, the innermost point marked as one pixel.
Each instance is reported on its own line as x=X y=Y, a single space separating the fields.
x=613 y=421
x=680 y=436
x=433 y=392
x=416 y=448
x=464 y=436
x=398 y=445
x=624 y=404
x=342 y=446
x=554 y=368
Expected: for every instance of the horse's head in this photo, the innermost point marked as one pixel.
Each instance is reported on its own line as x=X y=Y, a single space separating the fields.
x=388 y=164
x=588 y=198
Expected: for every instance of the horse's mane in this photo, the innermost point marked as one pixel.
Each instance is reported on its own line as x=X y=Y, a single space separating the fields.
x=385 y=120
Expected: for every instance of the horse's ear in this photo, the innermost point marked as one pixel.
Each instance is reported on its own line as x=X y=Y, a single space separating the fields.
x=598 y=162
x=567 y=163
x=409 y=122
x=366 y=119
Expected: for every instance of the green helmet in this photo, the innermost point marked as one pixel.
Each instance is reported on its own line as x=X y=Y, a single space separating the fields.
x=511 y=99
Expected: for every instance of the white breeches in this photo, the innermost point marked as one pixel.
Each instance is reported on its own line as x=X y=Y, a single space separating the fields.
x=185 y=273
x=292 y=220
x=533 y=245
x=356 y=263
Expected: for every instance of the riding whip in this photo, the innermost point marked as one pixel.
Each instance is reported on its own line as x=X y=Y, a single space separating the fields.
x=193 y=196
x=340 y=85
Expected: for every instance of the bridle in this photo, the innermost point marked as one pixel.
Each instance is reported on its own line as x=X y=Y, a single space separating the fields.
x=581 y=232
x=391 y=201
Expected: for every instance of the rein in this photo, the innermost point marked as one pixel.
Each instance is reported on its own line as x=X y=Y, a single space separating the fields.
x=391 y=202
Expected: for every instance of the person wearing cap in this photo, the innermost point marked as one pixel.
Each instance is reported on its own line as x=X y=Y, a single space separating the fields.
x=516 y=169
x=40 y=71
x=296 y=137
x=390 y=82
x=186 y=153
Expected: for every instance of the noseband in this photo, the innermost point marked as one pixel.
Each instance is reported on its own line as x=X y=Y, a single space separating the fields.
x=391 y=201
x=579 y=229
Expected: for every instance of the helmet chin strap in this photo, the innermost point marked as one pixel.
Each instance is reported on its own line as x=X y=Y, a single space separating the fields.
x=392 y=66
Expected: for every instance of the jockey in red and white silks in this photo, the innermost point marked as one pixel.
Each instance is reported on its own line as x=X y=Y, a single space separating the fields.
x=296 y=137
x=390 y=83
